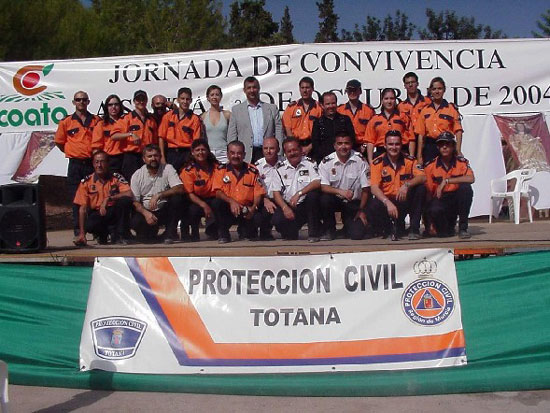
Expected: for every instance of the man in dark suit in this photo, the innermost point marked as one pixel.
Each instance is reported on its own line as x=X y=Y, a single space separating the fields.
x=253 y=120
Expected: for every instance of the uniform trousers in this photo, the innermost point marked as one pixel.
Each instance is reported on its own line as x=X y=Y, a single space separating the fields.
x=224 y=218
x=443 y=211
x=115 y=222
x=263 y=221
x=306 y=211
x=115 y=163
x=379 y=218
x=430 y=150
x=194 y=215
x=177 y=157
x=131 y=162
x=78 y=169
x=168 y=215
x=330 y=204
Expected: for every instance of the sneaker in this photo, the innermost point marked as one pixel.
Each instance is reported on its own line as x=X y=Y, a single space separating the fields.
x=123 y=241
x=311 y=240
x=414 y=236
x=223 y=240
x=464 y=234
x=328 y=236
x=168 y=241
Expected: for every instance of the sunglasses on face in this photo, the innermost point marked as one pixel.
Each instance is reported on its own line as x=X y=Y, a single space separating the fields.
x=81 y=99
x=113 y=104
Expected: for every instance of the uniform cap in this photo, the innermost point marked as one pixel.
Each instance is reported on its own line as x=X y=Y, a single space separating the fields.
x=446 y=137
x=140 y=93
x=353 y=84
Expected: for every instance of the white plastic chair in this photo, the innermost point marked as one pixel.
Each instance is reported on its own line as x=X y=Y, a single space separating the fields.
x=3 y=387
x=499 y=191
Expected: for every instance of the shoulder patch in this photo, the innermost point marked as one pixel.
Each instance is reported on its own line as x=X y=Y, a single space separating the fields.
x=430 y=162
x=377 y=160
x=86 y=178
x=326 y=159
x=253 y=169
x=120 y=177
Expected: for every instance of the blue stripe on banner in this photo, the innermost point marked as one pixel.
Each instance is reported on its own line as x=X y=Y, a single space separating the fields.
x=184 y=360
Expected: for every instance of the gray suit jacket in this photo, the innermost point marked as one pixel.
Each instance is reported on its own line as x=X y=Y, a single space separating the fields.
x=240 y=127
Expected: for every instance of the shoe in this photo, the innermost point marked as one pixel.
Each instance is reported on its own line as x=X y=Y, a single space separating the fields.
x=414 y=236
x=267 y=237
x=123 y=241
x=223 y=240
x=329 y=236
x=78 y=242
x=394 y=237
x=194 y=238
x=464 y=234
x=168 y=241
x=102 y=240
x=311 y=240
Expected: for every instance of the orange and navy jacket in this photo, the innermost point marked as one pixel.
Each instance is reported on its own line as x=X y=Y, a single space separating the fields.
x=92 y=191
x=300 y=121
x=388 y=179
x=432 y=122
x=76 y=136
x=379 y=125
x=131 y=122
x=198 y=181
x=436 y=173
x=413 y=111
x=243 y=186
x=180 y=133
x=101 y=138
x=360 y=119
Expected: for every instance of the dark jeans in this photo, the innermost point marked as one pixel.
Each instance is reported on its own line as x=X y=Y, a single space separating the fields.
x=131 y=162
x=225 y=219
x=443 y=212
x=78 y=169
x=354 y=228
x=307 y=211
x=430 y=150
x=257 y=153
x=177 y=157
x=194 y=215
x=115 y=163
x=115 y=222
x=168 y=215
x=379 y=218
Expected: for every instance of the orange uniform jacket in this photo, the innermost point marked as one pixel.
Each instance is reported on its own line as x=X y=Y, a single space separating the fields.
x=198 y=181
x=435 y=173
x=92 y=191
x=300 y=121
x=131 y=122
x=432 y=122
x=102 y=138
x=76 y=136
x=363 y=114
x=243 y=186
x=413 y=111
x=180 y=133
x=379 y=125
x=388 y=179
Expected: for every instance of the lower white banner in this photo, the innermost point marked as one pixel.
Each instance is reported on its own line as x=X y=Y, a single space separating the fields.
x=361 y=311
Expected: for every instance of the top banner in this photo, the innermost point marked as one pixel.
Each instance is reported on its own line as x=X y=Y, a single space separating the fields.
x=482 y=76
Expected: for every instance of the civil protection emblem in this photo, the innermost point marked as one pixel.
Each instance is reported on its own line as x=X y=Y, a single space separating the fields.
x=117 y=338
x=428 y=302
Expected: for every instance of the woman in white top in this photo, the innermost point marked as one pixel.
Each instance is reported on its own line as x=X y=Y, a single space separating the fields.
x=216 y=121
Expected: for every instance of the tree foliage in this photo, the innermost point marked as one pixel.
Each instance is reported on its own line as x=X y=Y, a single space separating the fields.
x=328 y=26
x=446 y=25
x=286 y=27
x=392 y=28
x=250 y=24
x=543 y=25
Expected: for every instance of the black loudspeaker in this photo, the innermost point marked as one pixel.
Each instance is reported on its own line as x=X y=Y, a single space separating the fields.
x=22 y=218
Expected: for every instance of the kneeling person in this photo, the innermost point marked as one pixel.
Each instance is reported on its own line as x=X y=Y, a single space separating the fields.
x=449 y=180
x=158 y=199
x=238 y=195
x=398 y=188
x=345 y=188
x=105 y=200
x=296 y=194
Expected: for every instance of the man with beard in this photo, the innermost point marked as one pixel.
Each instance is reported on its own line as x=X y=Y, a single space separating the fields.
x=158 y=199
x=105 y=200
x=160 y=106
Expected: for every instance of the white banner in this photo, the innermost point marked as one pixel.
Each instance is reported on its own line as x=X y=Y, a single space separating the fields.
x=483 y=76
x=363 y=311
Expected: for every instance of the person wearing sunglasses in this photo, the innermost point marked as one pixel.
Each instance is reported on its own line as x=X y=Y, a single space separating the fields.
x=74 y=139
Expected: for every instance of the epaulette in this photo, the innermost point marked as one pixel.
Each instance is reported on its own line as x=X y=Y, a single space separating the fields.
x=86 y=178
x=257 y=163
x=462 y=159
x=326 y=159
x=279 y=164
x=409 y=157
x=359 y=155
x=189 y=168
x=222 y=166
x=377 y=160
x=120 y=177
x=307 y=158
x=68 y=116
x=293 y=103
x=253 y=169
x=429 y=162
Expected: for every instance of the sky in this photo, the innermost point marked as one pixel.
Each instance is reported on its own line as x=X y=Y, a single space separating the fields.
x=515 y=18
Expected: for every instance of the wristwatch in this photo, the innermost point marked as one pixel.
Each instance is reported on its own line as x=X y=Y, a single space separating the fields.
x=300 y=193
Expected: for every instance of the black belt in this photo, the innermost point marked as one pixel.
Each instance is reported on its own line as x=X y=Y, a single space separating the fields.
x=305 y=142
x=179 y=149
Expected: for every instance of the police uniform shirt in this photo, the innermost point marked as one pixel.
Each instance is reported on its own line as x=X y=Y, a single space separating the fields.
x=144 y=185
x=268 y=174
x=242 y=185
x=436 y=172
x=132 y=123
x=432 y=122
x=359 y=119
x=180 y=133
x=299 y=120
x=92 y=190
x=352 y=175
x=76 y=136
x=389 y=178
x=295 y=179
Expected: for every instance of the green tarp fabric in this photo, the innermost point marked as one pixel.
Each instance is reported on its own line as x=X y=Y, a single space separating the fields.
x=505 y=313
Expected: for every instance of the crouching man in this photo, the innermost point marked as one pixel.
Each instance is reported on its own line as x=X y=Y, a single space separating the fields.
x=449 y=180
x=104 y=200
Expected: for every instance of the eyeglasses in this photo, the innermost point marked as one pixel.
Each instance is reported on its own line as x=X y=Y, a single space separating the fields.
x=113 y=104
x=411 y=83
x=81 y=99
